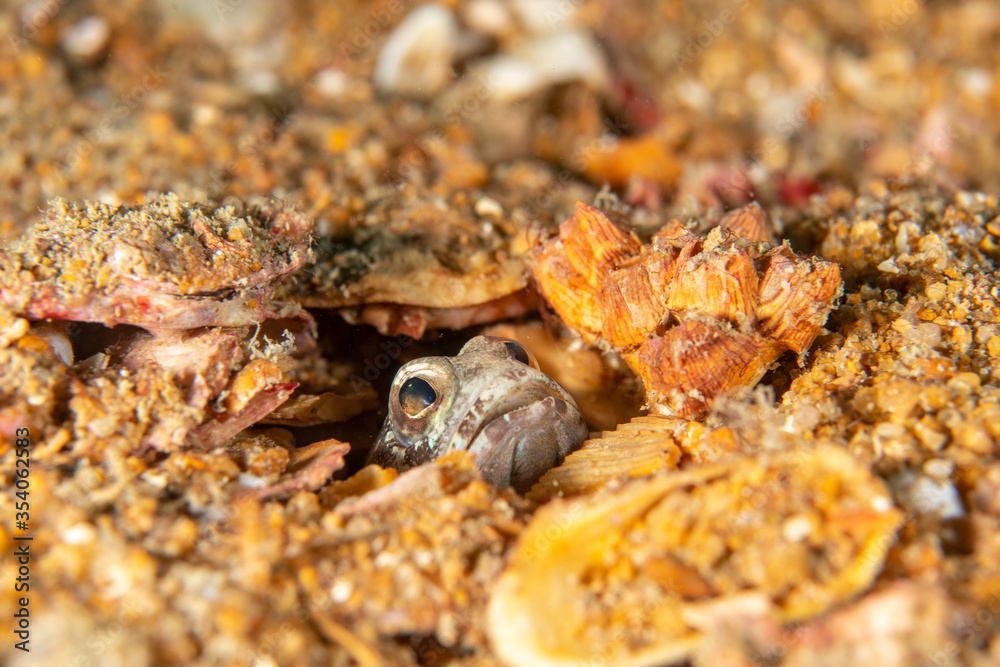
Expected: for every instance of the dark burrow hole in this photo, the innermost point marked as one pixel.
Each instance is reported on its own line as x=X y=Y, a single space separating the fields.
x=779 y=377
x=957 y=536
x=90 y=338
x=428 y=650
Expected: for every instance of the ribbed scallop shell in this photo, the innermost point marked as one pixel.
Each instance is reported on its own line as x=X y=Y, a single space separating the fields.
x=639 y=448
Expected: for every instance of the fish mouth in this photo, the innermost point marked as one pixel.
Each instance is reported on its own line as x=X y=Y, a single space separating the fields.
x=525 y=438
x=389 y=452
x=524 y=395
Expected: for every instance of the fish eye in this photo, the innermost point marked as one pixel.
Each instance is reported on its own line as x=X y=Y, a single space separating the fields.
x=416 y=395
x=518 y=352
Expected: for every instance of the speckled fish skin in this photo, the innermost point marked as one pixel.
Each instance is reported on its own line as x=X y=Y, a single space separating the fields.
x=517 y=421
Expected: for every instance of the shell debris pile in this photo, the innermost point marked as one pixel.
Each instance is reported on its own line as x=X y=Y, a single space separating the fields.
x=695 y=318
x=626 y=574
x=845 y=512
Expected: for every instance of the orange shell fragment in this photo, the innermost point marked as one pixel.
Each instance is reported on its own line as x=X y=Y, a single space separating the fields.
x=696 y=361
x=749 y=222
x=695 y=318
x=623 y=299
x=720 y=283
x=648 y=157
x=587 y=247
x=795 y=297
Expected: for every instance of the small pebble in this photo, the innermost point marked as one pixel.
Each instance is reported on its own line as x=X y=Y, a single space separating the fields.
x=545 y=61
x=797 y=528
x=415 y=60
x=331 y=82
x=939 y=468
x=930 y=436
x=882 y=504
x=341 y=591
x=488 y=208
x=888 y=266
x=490 y=17
x=87 y=40
x=892 y=440
x=929 y=496
x=80 y=533
x=964 y=383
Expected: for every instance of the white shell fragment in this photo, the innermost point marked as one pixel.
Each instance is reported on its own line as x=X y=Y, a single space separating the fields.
x=545 y=61
x=416 y=58
x=87 y=39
